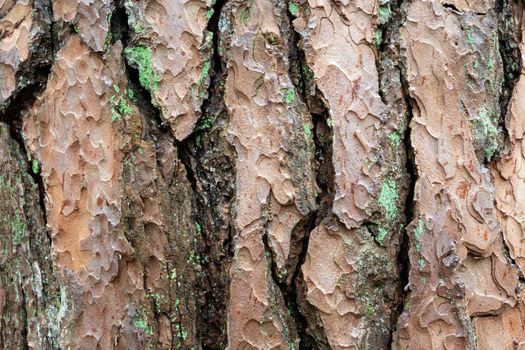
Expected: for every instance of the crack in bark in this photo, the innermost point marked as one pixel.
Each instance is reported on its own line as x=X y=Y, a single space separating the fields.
x=205 y=156
x=509 y=39
x=12 y=115
x=403 y=259
x=154 y=128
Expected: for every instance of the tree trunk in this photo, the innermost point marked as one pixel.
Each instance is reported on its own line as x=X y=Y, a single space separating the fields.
x=262 y=174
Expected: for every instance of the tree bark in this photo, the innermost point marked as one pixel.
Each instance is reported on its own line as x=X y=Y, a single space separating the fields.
x=262 y=174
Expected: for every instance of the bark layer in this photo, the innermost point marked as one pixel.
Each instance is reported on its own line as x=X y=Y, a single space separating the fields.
x=261 y=174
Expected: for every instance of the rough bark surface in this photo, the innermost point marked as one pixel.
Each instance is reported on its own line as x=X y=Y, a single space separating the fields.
x=262 y=174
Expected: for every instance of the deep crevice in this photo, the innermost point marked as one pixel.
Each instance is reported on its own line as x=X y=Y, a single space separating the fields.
x=13 y=117
x=287 y=288
x=509 y=37
x=293 y=289
x=210 y=167
x=403 y=259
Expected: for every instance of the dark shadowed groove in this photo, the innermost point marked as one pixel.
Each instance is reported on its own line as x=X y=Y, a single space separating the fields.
x=294 y=289
x=36 y=69
x=509 y=37
x=210 y=167
x=13 y=114
x=13 y=117
x=153 y=126
x=403 y=260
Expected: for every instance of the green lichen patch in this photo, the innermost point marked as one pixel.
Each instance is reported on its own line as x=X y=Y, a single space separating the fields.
x=140 y=323
x=384 y=14
x=209 y=13
x=173 y=274
x=381 y=234
x=379 y=37
x=130 y=94
x=193 y=258
x=485 y=132
x=421 y=263
x=293 y=8
x=388 y=198
x=140 y=57
x=418 y=233
x=134 y=24
x=119 y=106
x=307 y=131
x=395 y=137
x=469 y=36
x=198 y=228
x=289 y=97
x=183 y=334
x=205 y=71
x=244 y=16
x=34 y=166
x=18 y=228
x=205 y=122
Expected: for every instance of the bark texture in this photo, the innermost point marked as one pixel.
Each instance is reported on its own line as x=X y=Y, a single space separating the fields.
x=262 y=174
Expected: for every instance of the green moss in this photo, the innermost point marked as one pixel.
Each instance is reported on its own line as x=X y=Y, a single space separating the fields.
x=173 y=274
x=209 y=13
x=388 y=198
x=140 y=57
x=290 y=96
x=293 y=8
x=421 y=263
x=34 y=166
